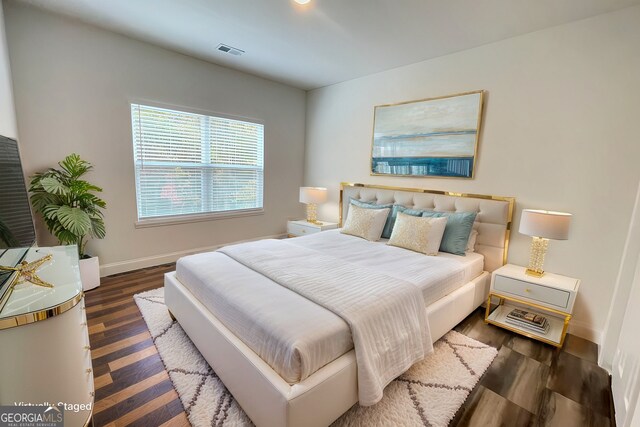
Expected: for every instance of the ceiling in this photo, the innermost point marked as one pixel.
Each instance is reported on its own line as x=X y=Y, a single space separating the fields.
x=325 y=41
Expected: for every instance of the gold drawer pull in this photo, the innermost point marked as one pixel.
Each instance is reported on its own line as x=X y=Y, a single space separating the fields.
x=87 y=347
x=83 y=324
x=527 y=290
x=89 y=370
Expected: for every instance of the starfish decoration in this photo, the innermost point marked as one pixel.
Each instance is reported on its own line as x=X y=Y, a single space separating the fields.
x=27 y=271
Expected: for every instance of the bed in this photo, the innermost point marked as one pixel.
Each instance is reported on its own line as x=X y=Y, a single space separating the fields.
x=246 y=332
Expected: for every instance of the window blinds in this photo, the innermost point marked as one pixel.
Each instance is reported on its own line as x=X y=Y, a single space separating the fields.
x=189 y=164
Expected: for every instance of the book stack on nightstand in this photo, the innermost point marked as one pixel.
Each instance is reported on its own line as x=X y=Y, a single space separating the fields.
x=529 y=321
x=303 y=227
x=537 y=307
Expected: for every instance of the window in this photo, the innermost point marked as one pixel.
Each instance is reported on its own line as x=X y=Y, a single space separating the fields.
x=192 y=165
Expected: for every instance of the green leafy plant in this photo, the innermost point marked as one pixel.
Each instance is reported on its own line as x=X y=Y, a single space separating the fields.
x=69 y=207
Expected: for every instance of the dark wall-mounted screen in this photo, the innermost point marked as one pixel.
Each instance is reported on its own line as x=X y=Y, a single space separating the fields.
x=16 y=222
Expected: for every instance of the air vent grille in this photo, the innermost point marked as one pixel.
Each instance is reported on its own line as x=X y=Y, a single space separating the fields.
x=230 y=49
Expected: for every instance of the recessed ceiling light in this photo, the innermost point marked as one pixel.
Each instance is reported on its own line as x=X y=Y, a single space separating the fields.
x=302 y=1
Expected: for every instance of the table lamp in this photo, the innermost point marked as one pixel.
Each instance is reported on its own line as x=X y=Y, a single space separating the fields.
x=311 y=196
x=542 y=226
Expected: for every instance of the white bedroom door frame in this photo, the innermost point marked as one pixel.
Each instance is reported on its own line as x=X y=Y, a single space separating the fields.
x=620 y=352
x=625 y=373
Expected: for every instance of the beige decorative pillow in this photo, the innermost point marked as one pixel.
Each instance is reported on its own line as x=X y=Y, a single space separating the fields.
x=419 y=234
x=365 y=223
x=471 y=244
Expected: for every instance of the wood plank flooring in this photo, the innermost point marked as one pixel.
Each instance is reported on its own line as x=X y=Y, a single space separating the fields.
x=132 y=386
x=528 y=384
x=533 y=384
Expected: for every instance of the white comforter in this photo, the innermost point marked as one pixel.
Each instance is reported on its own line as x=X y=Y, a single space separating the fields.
x=386 y=314
x=295 y=336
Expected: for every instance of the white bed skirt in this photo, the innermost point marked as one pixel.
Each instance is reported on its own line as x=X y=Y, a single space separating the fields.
x=322 y=397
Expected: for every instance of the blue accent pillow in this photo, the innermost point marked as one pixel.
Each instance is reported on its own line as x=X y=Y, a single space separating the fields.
x=391 y=221
x=457 y=232
x=373 y=205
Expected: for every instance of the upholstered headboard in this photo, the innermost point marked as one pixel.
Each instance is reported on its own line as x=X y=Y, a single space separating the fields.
x=494 y=212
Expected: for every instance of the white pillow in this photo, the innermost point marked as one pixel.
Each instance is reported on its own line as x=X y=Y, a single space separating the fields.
x=365 y=223
x=419 y=234
x=471 y=244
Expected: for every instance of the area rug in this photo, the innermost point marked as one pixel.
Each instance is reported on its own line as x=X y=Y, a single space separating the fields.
x=429 y=394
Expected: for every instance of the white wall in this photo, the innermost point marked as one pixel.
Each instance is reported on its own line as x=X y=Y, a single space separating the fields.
x=559 y=133
x=7 y=111
x=73 y=83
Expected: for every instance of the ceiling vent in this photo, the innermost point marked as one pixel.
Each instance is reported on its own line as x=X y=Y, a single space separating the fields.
x=229 y=49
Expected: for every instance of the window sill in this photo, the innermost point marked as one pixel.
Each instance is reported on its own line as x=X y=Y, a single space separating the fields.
x=185 y=219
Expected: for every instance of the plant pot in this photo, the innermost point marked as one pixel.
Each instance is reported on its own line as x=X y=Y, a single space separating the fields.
x=90 y=273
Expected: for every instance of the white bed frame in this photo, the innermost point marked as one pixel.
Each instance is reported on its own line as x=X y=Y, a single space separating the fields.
x=328 y=393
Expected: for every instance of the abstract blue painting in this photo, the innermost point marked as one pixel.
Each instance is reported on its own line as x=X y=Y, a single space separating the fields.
x=435 y=137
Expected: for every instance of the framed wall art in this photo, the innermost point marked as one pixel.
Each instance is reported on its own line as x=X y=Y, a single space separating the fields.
x=436 y=137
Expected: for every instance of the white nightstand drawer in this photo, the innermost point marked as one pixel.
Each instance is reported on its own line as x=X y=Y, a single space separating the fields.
x=302 y=227
x=542 y=294
x=297 y=229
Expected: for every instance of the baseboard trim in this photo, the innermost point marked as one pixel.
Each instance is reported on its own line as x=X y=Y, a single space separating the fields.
x=150 y=261
x=585 y=330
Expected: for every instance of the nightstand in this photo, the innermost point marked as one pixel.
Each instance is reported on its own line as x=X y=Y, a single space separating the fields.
x=551 y=296
x=302 y=227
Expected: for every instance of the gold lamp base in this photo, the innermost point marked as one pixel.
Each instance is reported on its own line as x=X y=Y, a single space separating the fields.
x=534 y=273
x=312 y=214
x=536 y=256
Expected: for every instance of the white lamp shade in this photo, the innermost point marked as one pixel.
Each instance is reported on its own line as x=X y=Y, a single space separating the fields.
x=313 y=195
x=547 y=224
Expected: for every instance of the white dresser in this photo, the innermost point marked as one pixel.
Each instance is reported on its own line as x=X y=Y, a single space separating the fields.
x=44 y=342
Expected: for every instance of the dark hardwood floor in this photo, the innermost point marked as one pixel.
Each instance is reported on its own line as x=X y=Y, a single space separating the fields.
x=533 y=384
x=132 y=386
x=528 y=384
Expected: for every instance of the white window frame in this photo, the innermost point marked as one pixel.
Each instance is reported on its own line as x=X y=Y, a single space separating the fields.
x=197 y=217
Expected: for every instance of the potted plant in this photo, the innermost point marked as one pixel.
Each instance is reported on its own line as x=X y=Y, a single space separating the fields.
x=71 y=210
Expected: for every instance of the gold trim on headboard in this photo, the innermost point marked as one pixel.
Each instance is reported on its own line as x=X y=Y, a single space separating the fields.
x=510 y=200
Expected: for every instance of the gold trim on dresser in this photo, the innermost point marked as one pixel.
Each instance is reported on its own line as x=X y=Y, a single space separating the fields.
x=37 y=316
x=90 y=418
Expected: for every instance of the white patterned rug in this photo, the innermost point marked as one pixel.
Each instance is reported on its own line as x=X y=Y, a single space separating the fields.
x=429 y=394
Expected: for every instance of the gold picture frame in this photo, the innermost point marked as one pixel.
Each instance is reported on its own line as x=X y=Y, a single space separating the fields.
x=433 y=137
